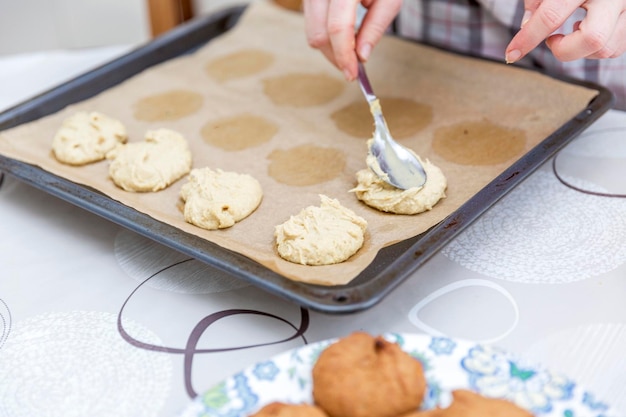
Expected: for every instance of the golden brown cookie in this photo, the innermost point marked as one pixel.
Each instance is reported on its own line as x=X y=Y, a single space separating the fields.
x=279 y=409
x=365 y=376
x=470 y=404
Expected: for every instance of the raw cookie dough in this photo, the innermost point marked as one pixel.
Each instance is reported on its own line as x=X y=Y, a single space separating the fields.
x=384 y=197
x=87 y=137
x=152 y=165
x=323 y=235
x=215 y=199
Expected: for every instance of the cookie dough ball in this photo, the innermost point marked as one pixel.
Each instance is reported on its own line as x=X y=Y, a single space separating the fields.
x=470 y=404
x=87 y=137
x=384 y=197
x=215 y=199
x=365 y=376
x=278 y=409
x=152 y=165
x=324 y=235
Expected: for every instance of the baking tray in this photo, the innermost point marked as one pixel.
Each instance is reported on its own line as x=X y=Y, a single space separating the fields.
x=391 y=266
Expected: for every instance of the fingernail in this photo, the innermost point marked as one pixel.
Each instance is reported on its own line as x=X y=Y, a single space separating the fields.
x=346 y=73
x=365 y=51
x=513 y=56
x=526 y=17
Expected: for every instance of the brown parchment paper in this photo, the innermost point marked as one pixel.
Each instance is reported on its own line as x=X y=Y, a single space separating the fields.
x=457 y=89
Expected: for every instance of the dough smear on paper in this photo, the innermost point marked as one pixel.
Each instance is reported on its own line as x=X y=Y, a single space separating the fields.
x=215 y=199
x=86 y=137
x=151 y=165
x=384 y=197
x=324 y=235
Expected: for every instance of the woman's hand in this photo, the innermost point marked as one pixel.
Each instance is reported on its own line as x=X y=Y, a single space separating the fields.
x=330 y=27
x=600 y=34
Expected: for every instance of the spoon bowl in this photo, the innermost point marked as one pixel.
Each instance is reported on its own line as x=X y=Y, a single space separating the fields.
x=391 y=162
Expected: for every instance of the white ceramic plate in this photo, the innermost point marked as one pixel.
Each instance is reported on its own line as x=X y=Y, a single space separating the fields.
x=448 y=363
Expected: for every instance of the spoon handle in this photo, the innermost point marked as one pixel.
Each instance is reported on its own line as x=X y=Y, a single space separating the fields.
x=371 y=98
x=365 y=85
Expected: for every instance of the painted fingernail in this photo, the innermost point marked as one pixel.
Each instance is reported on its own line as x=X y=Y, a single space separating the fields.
x=513 y=56
x=526 y=17
x=365 y=51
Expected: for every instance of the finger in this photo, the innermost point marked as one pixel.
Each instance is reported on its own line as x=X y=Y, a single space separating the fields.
x=619 y=36
x=328 y=52
x=616 y=45
x=340 y=27
x=376 y=21
x=315 y=14
x=548 y=17
x=591 y=36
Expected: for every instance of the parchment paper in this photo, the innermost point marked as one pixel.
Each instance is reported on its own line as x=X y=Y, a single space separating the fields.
x=457 y=89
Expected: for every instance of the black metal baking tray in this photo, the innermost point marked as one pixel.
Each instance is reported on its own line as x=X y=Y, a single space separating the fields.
x=391 y=266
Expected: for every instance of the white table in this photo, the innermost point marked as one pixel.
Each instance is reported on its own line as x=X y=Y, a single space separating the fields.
x=542 y=275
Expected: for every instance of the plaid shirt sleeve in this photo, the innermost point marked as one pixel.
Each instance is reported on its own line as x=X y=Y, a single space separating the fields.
x=485 y=27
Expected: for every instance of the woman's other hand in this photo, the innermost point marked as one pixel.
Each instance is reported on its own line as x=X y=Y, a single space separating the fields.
x=600 y=34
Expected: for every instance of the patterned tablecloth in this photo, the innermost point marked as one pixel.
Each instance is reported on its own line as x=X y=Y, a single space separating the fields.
x=97 y=320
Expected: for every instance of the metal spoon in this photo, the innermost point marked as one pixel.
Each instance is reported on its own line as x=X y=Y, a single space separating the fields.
x=390 y=161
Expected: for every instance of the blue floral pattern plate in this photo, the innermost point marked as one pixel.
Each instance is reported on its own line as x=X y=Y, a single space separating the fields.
x=448 y=364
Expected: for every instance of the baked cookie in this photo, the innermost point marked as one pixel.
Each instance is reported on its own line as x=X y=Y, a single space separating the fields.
x=152 y=165
x=365 y=376
x=278 y=409
x=324 y=235
x=85 y=137
x=215 y=199
x=384 y=197
x=470 y=404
